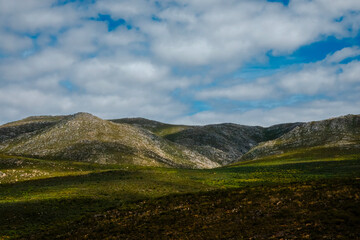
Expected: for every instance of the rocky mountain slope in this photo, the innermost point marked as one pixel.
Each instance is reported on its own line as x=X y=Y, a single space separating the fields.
x=84 y=137
x=331 y=136
x=225 y=143
x=158 y=128
x=222 y=143
x=28 y=126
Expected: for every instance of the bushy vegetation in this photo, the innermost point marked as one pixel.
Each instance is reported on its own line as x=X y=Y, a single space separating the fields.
x=299 y=195
x=310 y=210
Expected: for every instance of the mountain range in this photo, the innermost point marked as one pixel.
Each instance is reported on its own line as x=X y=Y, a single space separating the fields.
x=82 y=177
x=139 y=141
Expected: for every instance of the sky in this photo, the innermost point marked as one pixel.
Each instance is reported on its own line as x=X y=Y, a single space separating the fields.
x=252 y=62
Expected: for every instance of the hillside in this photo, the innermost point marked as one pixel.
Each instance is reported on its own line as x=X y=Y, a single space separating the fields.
x=28 y=125
x=307 y=188
x=331 y=137
x=312 y=210
x=225 y=143
x=289 y=199
x=222 y=143
x=84 y=137
x=140 y=141
x=158 y=128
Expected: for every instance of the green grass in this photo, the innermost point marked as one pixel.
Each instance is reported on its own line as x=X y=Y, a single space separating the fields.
x=307 y=210
x=165 y=130
x=47 y=196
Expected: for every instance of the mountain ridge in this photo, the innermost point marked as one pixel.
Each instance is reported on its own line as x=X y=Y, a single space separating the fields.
x=85 y=137
x=140 y=141
x=340 y=133
x=223 y=143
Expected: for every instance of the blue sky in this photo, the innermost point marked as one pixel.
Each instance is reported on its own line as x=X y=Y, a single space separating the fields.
x=251 y=62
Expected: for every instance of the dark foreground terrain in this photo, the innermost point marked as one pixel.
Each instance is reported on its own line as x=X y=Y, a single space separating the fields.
x=289 y=197
x=312 y=210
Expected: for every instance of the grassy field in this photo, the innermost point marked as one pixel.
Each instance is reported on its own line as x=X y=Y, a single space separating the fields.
x=302 y=194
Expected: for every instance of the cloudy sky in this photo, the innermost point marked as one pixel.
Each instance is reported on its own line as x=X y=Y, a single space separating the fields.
x=253 y=62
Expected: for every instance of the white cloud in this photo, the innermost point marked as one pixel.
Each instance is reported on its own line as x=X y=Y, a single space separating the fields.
x=118 y=38
x=245 y=92
x=10 y=43
x=108 y=75
x=328 y=77
x=126 y=9
x=311 y=80
x=82 y=39
x=33 y=16
x=133 y=72
x=201 y=33
x=351 y=72
x=343 y=54
x=23 y=70
x=316 y=110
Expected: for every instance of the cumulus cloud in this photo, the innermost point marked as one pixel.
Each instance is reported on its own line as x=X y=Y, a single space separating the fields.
x=350 y=72
x=32 y=16
x=25 y=69
x=10 y=43
x=343 y=54
x=60 y=57
x=310 y=80
x=311 y=111
x=326 y=77
x=252 y=91
x=128 y=9
x=218 y=32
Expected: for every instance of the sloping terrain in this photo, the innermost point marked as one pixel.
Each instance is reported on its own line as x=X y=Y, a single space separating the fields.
x=158 y=128
x=28 y=126
x=331 y=137
x=223 y=143
x=269 y=199
x=84 y=137
x=313 y=210
x=141 y=141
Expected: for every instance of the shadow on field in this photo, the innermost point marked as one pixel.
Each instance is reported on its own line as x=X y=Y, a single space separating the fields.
x=309 y=210
x=333 y=168
x=34 y=216
x=31 y=206
x=61 y=182
x=28 y=214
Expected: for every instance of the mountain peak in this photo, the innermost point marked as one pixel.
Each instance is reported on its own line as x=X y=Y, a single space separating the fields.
x=83 y=115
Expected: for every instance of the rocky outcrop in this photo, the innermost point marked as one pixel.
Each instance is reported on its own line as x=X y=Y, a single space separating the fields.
x=84 y=137
x=225 y=143
x=222 y=143
x=28 y=126
x=341 y=132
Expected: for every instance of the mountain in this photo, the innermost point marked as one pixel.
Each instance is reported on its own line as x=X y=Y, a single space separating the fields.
x=158 y=128
x=28 y=126
x=302 y=182
x=222 y=143
x=84 y=137
x=335 y=136
x=225 y=143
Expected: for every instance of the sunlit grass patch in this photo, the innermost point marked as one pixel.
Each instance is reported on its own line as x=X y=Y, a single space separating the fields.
x=73 y=190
